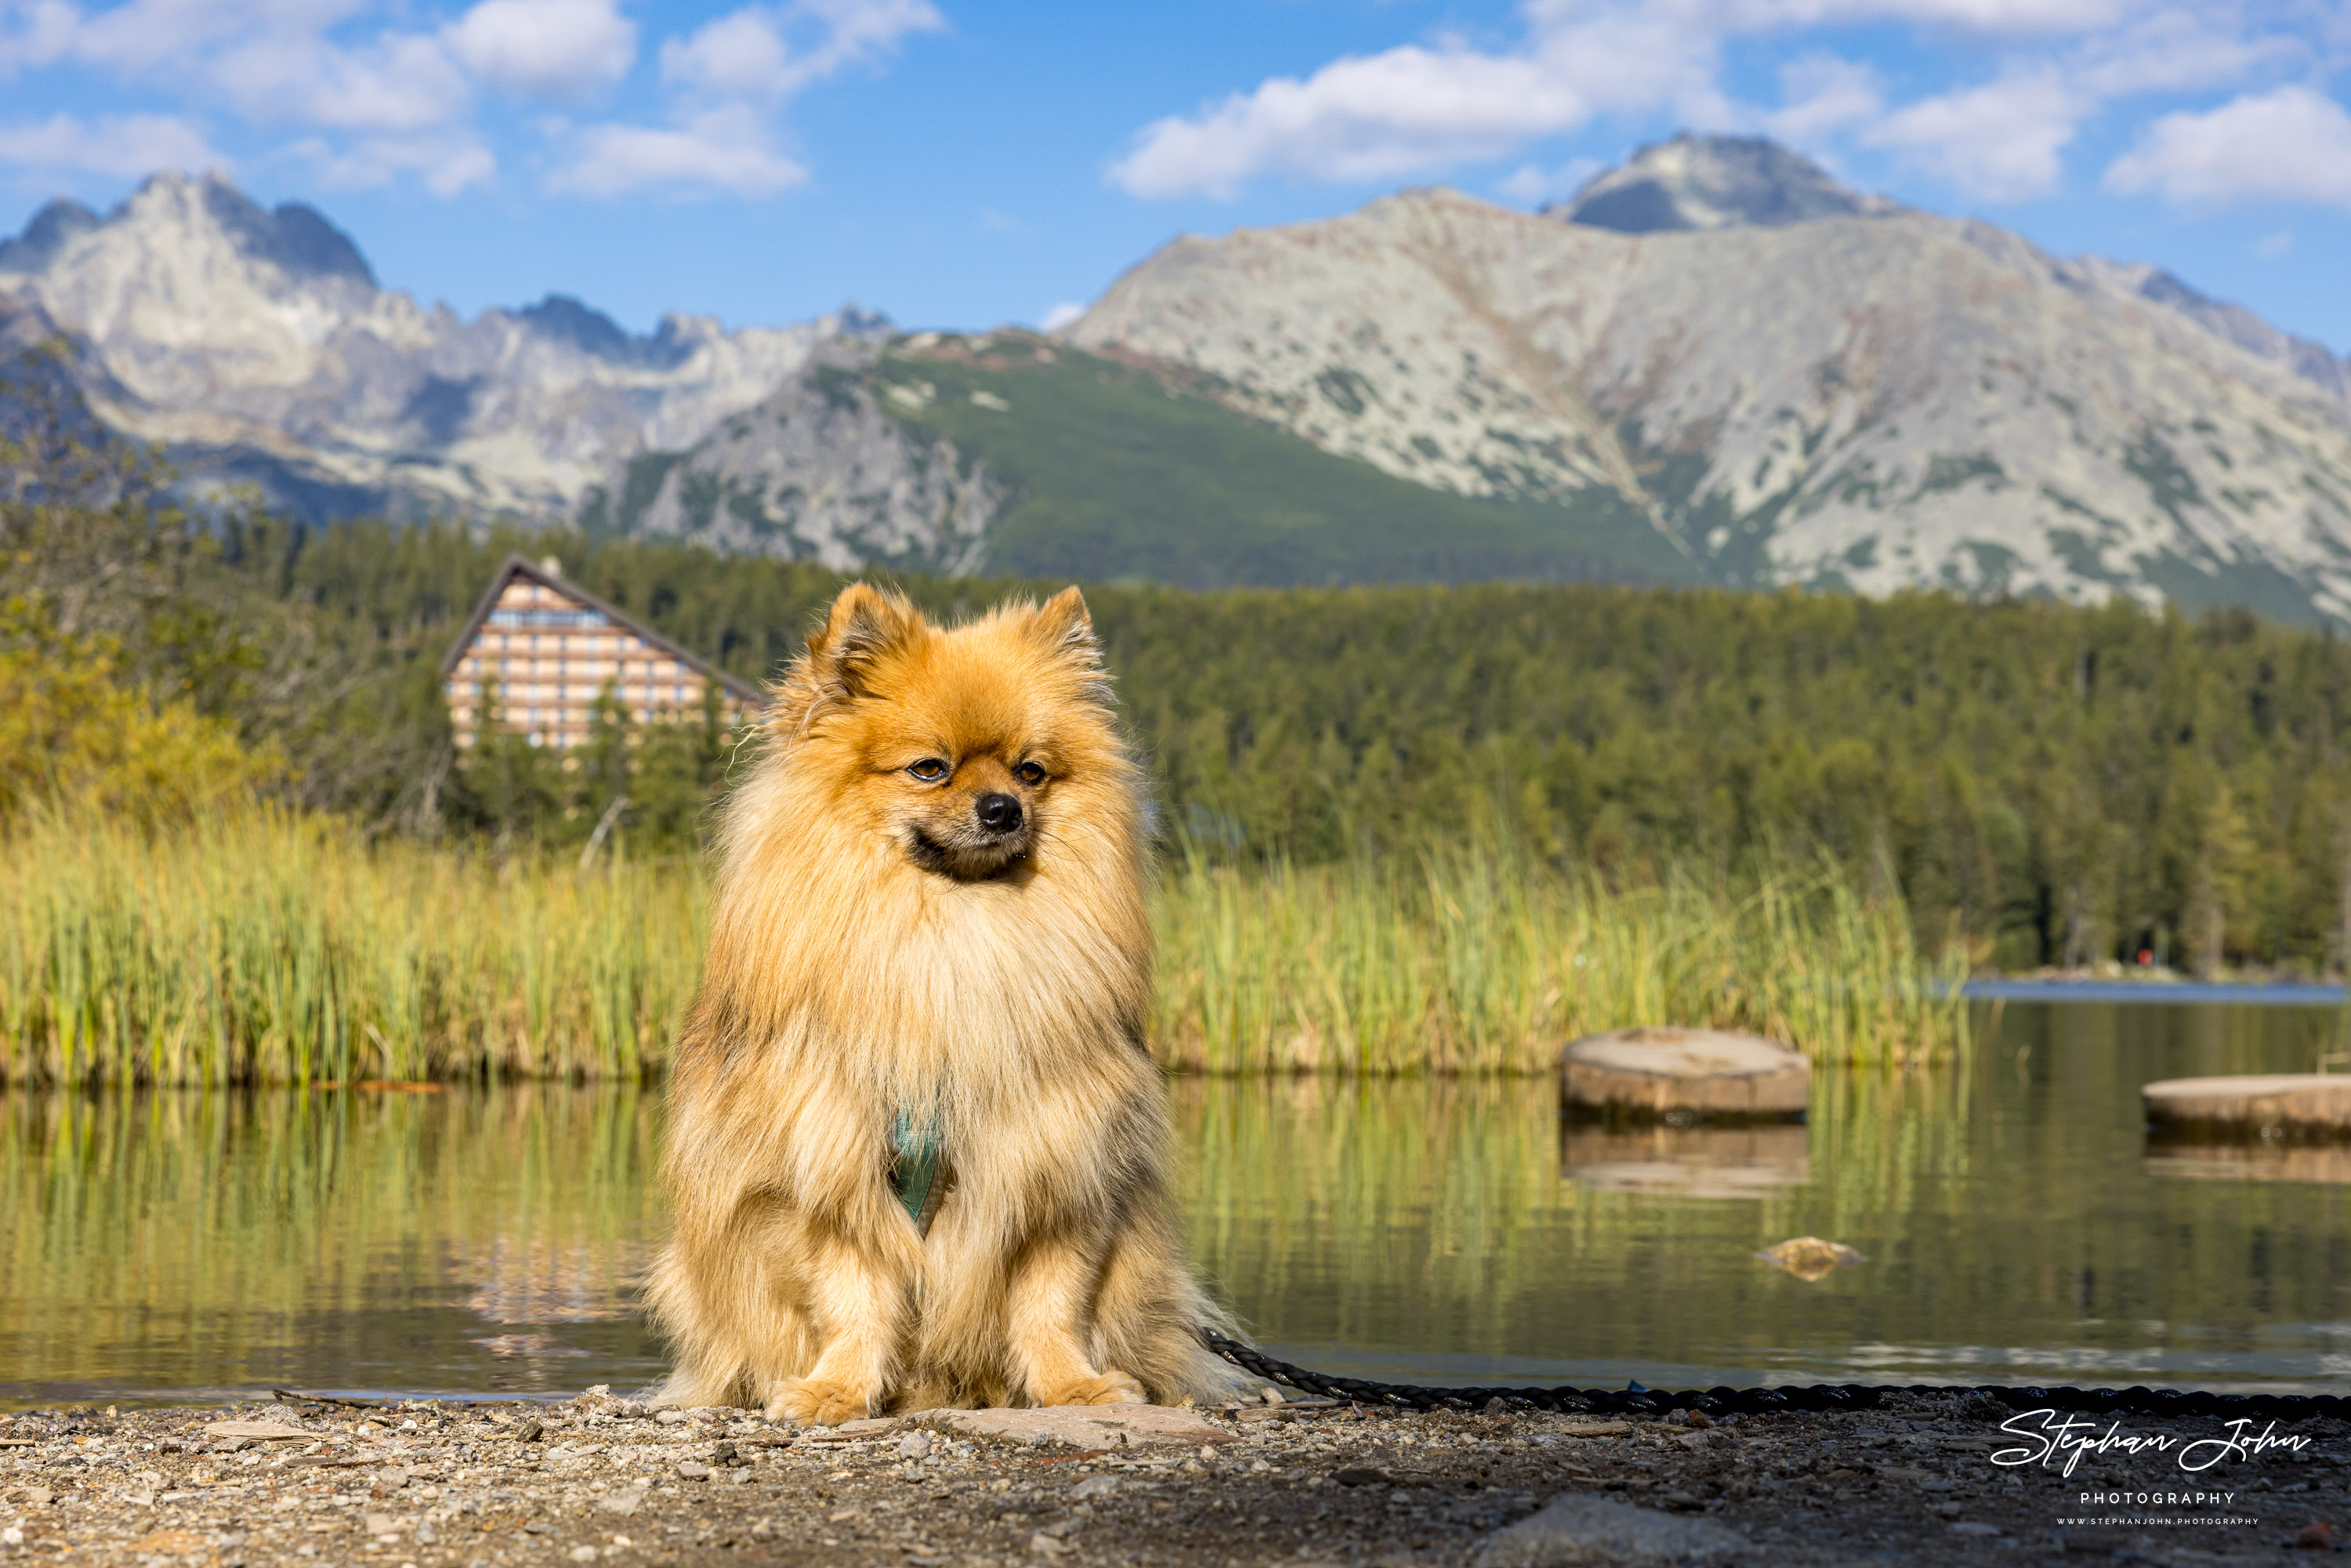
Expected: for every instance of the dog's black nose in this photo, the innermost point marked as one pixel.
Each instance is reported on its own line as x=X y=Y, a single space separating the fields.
x=999 y=814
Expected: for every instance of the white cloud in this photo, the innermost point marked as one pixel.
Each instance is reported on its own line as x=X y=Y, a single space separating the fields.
x=1371 y=117
x=2175 y=51
x=726 y=149
x=728 y=75
x=120 y=146
x=856 y=31
x=1820 y=94
x=2270 y=247
x=2002 y=142
x=445 y=165
x=1996 y=16
x=1062 y=316
x=1424 y=107
x=2290 y=144
x=545 y=49
x=741 y=54
x=773 y=52
x=148 y=34
x=1421 y=107
x=400 y=101
x=400 y=82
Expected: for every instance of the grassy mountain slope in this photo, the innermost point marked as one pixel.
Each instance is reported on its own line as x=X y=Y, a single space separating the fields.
x=1122 y=473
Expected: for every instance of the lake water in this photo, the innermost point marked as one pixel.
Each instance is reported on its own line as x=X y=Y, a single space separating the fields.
x=2016 y=1226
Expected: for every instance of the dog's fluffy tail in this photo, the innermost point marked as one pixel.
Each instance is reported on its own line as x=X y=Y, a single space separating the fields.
x=1147 y=1314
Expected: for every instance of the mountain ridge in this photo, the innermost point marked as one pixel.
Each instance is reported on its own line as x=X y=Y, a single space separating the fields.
x=1713 y=363
x=256 y=347
x=1862 y=401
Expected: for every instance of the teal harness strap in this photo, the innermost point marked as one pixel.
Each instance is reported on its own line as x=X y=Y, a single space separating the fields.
x=915 y=1151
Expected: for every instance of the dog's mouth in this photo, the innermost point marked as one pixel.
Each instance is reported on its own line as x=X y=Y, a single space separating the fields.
x=984 y=861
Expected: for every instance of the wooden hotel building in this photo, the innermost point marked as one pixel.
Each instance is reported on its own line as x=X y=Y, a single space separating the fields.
x=539 y=651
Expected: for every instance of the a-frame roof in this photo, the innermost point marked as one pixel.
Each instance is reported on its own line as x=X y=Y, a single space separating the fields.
x=517 y=565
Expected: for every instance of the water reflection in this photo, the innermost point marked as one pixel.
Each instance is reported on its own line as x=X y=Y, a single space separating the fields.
x=1686 y=1162
x=2249 y=1159
x=2017 y=1226
x=231 y=1242
x=2013 y=1228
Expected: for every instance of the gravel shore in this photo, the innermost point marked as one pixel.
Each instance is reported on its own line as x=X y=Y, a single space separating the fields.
x=446 y=1485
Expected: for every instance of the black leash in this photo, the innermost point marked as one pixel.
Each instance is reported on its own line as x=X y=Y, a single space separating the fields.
x=1635 y=1400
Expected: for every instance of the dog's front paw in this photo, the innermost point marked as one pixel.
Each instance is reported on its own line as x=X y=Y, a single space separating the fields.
x=1113 y=1387
x=819 y=1402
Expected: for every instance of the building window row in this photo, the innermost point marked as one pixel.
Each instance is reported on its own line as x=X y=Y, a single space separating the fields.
x=568 y=618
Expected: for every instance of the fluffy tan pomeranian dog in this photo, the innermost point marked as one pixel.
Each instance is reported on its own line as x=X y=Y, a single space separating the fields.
x=917 y=1154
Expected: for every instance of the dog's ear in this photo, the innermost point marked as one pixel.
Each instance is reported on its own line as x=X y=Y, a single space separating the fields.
x=865 y=624
x=1063 y=624
x=1065 y=629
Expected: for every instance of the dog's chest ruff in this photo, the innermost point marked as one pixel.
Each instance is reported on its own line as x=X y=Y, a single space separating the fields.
x=917 y=1153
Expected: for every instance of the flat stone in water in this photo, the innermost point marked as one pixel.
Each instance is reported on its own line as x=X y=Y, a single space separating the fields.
x=2298 y=1101
x=1598 y=1530
x=1700 y=1071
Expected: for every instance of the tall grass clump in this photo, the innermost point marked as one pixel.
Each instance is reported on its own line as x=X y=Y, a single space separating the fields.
x=1486 y=960
x=260 y=946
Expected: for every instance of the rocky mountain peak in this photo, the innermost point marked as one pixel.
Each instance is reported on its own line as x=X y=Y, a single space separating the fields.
x=1713 y=182
x=204 y=215
x=1913 y=401
x=566 y=320
x=256 y=346
x=52 y=229
x=294 y=238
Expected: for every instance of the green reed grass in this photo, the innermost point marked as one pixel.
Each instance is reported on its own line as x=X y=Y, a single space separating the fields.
x=1486 y=961
x=265 y=947
x=268 y=948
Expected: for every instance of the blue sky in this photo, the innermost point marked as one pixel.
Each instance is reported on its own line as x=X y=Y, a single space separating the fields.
x=962 y=163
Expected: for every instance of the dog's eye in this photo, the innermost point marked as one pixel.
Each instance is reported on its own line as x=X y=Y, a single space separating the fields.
x=930 y=769
x=1030 y=774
